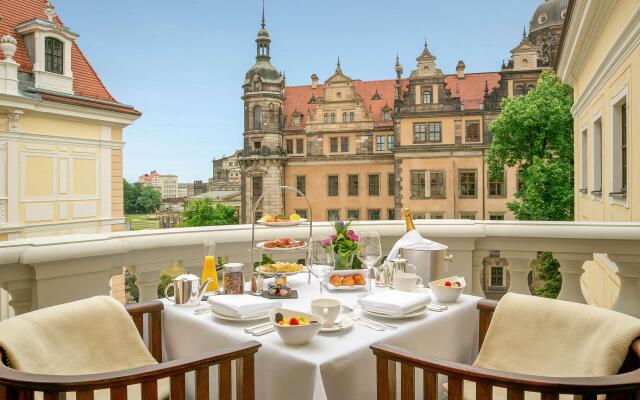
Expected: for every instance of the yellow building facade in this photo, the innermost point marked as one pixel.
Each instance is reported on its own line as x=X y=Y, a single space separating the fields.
x=600 y=59
x=61 y=132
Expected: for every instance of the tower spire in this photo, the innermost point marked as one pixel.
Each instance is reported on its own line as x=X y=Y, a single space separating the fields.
x=524 y=31
x=262 y=21
x=425 y=43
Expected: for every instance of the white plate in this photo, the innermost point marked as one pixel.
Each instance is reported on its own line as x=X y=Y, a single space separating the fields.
x=257 y=269
x=236 y=319
x=286 y=223
x=344 y=322
x=329 y=286
x=345 y=288
x=412 y=314
x=261 y=246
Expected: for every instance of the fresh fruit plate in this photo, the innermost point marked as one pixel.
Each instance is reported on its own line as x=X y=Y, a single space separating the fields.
x=278 y=220
x=346 y=280
x=280 y=267
x=282 y=244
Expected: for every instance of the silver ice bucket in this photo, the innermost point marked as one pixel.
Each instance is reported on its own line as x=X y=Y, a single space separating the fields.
x=430 y=264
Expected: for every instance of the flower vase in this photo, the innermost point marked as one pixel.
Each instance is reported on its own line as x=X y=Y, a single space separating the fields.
x=344 y=261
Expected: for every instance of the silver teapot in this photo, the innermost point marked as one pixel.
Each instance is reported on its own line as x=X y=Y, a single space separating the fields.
x=186 y=289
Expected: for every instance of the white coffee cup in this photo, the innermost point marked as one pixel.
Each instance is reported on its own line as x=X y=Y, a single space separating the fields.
x=406 y=282
x=329 y=309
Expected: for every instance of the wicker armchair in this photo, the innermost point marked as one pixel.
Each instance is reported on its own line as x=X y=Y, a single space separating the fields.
x=625 y=385
x=18 y=385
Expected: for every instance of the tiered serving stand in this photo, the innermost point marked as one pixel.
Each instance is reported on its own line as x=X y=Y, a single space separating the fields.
x=279 y=254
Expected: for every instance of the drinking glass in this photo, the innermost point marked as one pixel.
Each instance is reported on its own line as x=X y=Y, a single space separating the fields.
x=209 y=267
x=321 y=260
x=369 y=252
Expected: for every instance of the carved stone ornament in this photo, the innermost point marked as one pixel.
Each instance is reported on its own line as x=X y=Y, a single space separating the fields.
x=8 y=44
x=13 y=119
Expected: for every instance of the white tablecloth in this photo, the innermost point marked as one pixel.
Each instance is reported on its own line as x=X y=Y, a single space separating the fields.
x=338 y=365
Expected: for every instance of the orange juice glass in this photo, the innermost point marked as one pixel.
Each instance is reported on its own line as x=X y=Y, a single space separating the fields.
x=209 y=268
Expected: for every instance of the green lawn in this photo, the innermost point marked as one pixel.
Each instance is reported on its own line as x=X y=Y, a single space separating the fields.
x=142 y=221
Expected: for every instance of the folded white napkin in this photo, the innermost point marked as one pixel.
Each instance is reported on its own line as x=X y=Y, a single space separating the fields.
x=413 y=241
x=395 y=302
x=242 y=305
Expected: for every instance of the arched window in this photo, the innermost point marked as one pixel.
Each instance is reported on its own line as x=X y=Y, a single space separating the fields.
x=426 y=97
x=333 y=118
x=326 y=118
x=344 y=117
x=519 y=90
x=53 y=55
x=257 y=117
x=530 y=87
x=352 y=116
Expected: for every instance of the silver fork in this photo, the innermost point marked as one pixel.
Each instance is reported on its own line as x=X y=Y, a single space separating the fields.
x=350 y=311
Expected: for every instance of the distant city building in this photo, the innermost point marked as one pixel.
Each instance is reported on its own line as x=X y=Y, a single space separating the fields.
x=363 y=150
x=61 y=130
x=167 y=185
x=229 y=197
x=183 y=189
x=226 y=174
x=199 y=187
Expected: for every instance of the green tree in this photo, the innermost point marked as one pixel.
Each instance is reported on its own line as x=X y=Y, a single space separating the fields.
x=535 y=133
x=149 y=200
x=131 y=194
x=202 y=212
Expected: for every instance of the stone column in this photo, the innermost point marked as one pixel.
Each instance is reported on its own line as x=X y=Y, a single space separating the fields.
x=628 y=300
x=477 y=269
x=571 y=270
x=519 y=268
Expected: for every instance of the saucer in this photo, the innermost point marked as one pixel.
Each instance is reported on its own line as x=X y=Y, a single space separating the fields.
x=343 y=323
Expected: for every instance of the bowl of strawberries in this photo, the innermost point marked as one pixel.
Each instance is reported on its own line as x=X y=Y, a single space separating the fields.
x=295 y=328
x=448 y=290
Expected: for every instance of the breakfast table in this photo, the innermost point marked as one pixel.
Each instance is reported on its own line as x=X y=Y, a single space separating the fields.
x=333 y=365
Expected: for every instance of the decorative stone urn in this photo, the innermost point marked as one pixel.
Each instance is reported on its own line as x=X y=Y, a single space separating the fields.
x=8 y=45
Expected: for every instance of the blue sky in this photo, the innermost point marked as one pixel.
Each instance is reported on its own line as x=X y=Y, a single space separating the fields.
x=182 y=63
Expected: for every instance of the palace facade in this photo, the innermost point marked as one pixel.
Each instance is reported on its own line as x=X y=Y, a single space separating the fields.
x=363 y=150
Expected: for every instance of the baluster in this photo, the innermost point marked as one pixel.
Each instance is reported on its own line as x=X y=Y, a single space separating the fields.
x=484 y=391
x=629 y=274
x=571 y=270
x=515 y=394
x=119 y=393
x=549 y=396
x=407 y=382
x=245 y=378
x=25 y=394
x=477 y=269
x=138 y=319
x=155 y=335
x=454 y=388
x=224 y=380
x=149 y=390
x=148 y=281
x=383 y=378
x=177 y=387
x=202 y=384
x=519 y=268
x=430 y=385
x=86 y=395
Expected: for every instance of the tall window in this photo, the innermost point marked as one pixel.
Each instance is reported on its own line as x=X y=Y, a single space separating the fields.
x=302 y=212
x=619 y=149
x=326 y=118
x=435 y=132
x=257 y=117
x=373 y=214
x=380 y=143
x=419 y=133
x=437 y=184
x=472 y=131
x=333 y=214
x=426 y=97
x=418 y=184
x=374 y=185
x=353 y=185
x=333 y=144
x=352 y=116
x=332 y=185
x=333 y=118
x=53 y=55
x=353 y=215
x=344 y=117
x=391 y=184
x=256 y=184
x=391 y=142
x=497 y=277
x=290 y=146
x=519 y=181
x=391 y=214
x=301 y=185
x=496 y=186
x=597 y=157
x=468 y=186
x=344 y=144
x=299 y=146
x=584 y=162
x=623 y=146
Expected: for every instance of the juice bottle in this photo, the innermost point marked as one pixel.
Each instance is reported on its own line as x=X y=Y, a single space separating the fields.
x=209 y=268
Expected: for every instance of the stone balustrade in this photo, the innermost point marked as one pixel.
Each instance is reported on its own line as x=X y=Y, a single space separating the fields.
x=40 y=272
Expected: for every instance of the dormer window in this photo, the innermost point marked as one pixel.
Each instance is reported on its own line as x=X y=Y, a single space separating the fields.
x=296 y=120
x=386 y=115
x=426 y=97
x=53 y=55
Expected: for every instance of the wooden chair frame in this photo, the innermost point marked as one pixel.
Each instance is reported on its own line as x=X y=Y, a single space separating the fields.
x=625 y=385
x=18 y=385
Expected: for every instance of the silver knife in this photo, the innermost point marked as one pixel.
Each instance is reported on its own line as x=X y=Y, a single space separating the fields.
x=374 y=327
x=382 y=324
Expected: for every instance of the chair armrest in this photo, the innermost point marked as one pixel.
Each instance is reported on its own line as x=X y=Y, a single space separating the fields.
x=72 y=383
x=143 y=308
x=580 y=385
x=487 y=305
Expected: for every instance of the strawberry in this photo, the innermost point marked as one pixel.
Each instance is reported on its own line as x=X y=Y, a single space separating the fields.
x=447 y=283
x=294 y=321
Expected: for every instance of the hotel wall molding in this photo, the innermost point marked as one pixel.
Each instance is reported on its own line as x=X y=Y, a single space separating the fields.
x=34 y=137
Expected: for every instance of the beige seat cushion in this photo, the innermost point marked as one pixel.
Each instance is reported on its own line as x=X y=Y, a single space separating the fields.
x=469 y=393
x=133 y=392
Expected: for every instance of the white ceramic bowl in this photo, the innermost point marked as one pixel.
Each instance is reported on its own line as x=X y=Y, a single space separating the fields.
x=296 y=335
x=447 y=294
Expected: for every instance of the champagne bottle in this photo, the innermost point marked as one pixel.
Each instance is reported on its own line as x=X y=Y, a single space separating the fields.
x=408 y=219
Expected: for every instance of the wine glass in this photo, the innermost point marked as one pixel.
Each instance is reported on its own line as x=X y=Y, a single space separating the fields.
x=321 y=260
x=369 y=252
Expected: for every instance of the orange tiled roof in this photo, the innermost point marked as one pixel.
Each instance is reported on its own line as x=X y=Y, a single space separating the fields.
x=86 y=82
x=471 y=88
